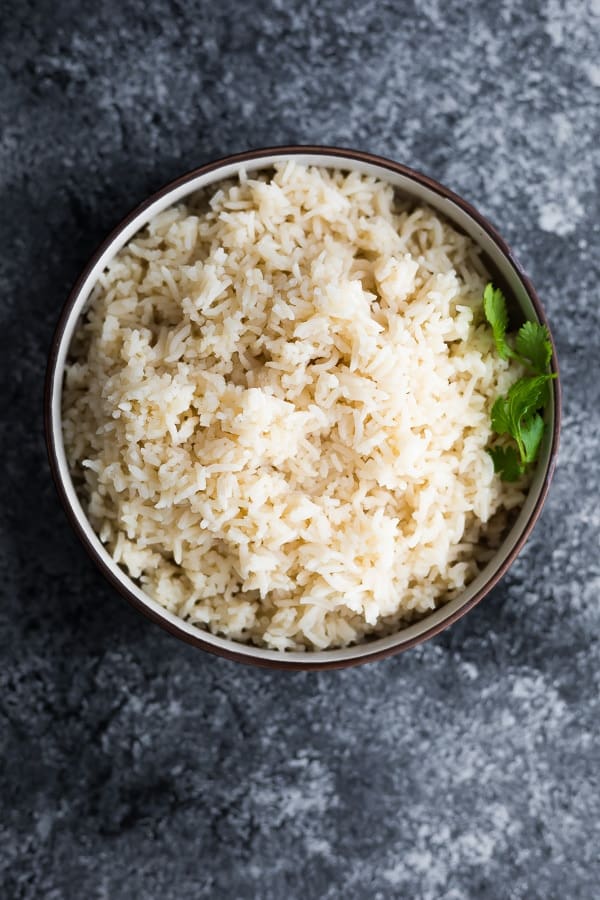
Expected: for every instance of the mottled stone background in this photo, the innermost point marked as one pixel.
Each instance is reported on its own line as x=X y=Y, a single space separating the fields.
x=135 y=767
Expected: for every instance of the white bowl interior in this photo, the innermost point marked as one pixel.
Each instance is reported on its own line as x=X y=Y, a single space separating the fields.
x=412 y=188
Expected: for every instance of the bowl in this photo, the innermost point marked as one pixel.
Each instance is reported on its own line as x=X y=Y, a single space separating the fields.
x=505 y=270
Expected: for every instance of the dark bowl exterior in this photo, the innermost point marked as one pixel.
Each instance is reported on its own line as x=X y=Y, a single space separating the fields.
x=199 y=641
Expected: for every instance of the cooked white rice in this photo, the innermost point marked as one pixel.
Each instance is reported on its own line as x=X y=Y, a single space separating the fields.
x=277 y=410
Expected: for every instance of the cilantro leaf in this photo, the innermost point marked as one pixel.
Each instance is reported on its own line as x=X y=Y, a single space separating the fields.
x=517 y=414
x=532 y=432
x=533 y=344
x=494 y=307
x=506 y=463
x=525 y=397
x=500 y=417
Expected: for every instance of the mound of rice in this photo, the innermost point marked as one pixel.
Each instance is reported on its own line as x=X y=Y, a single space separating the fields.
x=277 y=410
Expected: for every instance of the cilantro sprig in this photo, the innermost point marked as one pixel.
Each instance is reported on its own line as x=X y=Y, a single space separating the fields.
x=518 y=414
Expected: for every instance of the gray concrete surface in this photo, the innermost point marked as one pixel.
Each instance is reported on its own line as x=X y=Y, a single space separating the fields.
x=135 y=767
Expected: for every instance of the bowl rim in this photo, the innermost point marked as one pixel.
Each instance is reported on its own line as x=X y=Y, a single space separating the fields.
x=197 y=639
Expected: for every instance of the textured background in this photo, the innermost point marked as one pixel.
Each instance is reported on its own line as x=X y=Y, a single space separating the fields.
x=136 y=767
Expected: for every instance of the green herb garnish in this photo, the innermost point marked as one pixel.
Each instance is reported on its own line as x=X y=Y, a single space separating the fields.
x=517 y=414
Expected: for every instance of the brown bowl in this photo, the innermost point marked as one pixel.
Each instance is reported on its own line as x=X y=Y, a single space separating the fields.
x=506 y=271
